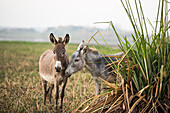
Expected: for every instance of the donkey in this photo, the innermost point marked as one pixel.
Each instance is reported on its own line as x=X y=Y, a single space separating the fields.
x=52 y=66
x=94 y=62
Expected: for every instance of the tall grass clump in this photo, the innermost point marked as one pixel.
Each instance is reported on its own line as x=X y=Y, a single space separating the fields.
x=144 y=70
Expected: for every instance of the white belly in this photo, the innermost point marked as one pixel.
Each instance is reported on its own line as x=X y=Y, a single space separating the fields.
x=48 y=78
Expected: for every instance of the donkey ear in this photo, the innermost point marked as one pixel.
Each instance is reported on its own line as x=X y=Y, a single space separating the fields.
x=66 y=39
x=81 y=45
x=85 y=49
x=52 y=39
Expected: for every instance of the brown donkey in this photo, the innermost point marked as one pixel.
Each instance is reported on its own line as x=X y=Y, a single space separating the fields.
x=52 y=66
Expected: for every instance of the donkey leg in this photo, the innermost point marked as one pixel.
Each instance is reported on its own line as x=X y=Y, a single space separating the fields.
x=50 y=91
x=97 y=85
x=62 y=94
x=56 y=94
x=97 y=88
x=103 y=88
x=44 y=84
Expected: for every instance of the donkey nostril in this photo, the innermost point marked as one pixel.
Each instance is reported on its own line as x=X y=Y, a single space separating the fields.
x=57 y=69
x=66 y=72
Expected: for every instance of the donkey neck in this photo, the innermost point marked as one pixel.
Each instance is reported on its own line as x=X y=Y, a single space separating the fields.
x=93 y=62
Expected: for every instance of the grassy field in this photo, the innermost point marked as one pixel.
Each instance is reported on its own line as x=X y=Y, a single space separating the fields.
x=20 y=84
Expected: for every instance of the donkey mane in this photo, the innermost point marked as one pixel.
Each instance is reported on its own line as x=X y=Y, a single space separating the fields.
x=59 y=40
x=93 y=50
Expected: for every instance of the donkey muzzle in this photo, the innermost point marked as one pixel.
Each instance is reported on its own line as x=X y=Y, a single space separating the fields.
x=68 y=73
x=58 y=66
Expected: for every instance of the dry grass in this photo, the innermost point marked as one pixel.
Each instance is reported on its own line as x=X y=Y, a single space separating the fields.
x=20 y=84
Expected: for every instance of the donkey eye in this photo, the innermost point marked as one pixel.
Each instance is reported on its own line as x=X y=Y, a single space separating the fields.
x=76 y=60
x=62 y=54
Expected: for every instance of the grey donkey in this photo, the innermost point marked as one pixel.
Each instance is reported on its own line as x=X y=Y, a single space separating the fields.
x=94 y=62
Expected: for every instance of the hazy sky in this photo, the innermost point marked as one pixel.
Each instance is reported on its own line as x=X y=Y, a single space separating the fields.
x=54 y=13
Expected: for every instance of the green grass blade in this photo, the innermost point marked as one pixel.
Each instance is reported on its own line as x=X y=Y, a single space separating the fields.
x=144 y=20
x=157 y=16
